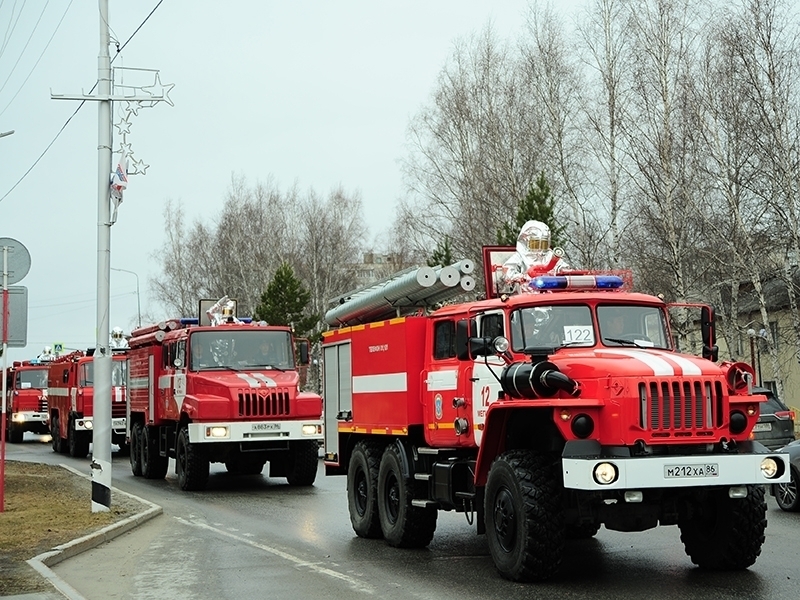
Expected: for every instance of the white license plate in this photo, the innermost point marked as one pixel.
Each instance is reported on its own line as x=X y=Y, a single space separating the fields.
x=691 y=471
x=762 y=427
x=266 y=427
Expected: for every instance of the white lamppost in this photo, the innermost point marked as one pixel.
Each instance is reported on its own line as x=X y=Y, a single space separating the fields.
x=138 y=299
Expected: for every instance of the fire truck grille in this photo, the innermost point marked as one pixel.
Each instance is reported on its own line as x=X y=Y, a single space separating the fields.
x=42 y=405
x=264 y=402
x=686 y=408
x=118 y=409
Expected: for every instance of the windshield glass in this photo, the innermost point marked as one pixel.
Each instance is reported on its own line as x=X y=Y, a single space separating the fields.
x=33 y=379
x=254 y=349
x=119 y=370
x=641 y=326
x=551 y=327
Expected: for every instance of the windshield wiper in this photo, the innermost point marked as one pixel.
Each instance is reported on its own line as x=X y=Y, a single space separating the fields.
x=267 y=367
x=624 y=342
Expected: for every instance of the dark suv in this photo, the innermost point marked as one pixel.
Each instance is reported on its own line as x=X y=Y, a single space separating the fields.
x=775 y=427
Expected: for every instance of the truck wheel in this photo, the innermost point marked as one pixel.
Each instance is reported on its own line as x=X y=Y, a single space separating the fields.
x=154 y=466
x=15 y=433
x=786 y=493
x=59 y=445
x=524 y=516
x=77 y=441
x=302 y=462
x=136 y=449
x=722 y=533
x=403 y=525
x=191 y=464
x=362 y=489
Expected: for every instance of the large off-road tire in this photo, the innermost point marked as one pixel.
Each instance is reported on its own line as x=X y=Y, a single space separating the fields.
x=15 y=432
x=302 y=462
x=524 y=515
x=722 y=533
x=191 y=463
x=77 y=441
x=154 y=466
x=362 y=489
x=786 y=494
x=135 y=451
x=59 y=443
x=402 y=524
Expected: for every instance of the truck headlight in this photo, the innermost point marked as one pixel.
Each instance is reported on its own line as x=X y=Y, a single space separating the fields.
x=18 y=417
x=605 y=473
x=312 y=429
x=769 y=468
x=217 y=432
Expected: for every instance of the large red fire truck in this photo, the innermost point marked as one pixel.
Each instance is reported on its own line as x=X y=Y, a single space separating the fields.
x=26 y=399
x=226 y=392
x=530 y=415
x=70 y=393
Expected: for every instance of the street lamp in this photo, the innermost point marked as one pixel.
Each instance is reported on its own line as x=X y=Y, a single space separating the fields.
x=138 y=298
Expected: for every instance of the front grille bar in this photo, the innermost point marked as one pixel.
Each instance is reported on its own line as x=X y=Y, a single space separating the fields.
x=264 y=402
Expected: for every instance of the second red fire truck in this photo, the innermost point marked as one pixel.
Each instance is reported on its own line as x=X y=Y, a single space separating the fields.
x=221 y=392
x=71 y=397
x=26 y=399
x=542 y=416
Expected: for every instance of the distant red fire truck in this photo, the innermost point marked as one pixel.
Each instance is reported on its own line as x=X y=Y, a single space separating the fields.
x=70 y=394
x=542 y=416
x=225 y=392
x=26 y=399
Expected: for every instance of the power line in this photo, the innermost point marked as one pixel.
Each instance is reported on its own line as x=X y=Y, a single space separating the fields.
x=60 y=131
x=22 y=53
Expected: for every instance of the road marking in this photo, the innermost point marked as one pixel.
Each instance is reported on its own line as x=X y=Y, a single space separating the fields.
x=299 y=562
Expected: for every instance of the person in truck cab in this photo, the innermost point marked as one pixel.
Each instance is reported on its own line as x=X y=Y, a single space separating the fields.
x=200 y=357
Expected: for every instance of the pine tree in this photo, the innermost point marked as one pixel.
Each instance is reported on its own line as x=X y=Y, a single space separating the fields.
x=538 y=205
x=442 y=255
x=284 y=302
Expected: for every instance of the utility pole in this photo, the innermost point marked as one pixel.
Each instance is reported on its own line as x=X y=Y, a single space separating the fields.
x=101 y=436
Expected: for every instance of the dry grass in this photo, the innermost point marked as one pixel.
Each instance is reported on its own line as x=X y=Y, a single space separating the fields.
x=45 y=506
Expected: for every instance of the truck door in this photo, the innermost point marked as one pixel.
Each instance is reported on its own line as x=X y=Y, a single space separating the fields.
x=443 y=398
x=337 y=384
x=482 y=381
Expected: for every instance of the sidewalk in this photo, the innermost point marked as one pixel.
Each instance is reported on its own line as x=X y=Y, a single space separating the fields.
x=43 y=562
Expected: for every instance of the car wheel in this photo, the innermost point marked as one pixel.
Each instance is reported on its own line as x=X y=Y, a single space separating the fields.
x=786 y=493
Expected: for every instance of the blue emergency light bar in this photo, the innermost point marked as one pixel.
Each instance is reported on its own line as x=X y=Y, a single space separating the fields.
x=577 y=282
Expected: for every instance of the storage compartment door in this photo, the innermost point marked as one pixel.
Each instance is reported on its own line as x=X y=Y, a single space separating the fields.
x=337 y=387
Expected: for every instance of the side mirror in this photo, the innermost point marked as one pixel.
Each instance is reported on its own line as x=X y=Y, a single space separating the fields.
x=708 y=328
x=303 y=351
x=462 y=339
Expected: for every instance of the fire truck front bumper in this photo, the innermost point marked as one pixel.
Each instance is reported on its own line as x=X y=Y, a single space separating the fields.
x=28 y=417
x=255 y=431
x=633 y=473
x=87 y=424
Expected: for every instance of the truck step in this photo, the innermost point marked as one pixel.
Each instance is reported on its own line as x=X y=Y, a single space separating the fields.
x=466 y=495
x=422 y=476
x=428 y=450
x=425 y=503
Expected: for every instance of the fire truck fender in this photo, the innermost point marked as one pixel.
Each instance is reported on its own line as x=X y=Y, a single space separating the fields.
x=403 y=453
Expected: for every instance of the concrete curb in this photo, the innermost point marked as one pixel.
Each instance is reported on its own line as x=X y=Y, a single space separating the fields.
x=44 y=561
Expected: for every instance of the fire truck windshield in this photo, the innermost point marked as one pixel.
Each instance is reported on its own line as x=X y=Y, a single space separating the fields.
x=237 y=349
x=559 y=325
x=119 y=370
x=31 y=379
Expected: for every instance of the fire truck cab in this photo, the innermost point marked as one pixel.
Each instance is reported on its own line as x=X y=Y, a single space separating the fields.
x=70 y=393
x=26 y=399
x=223 y=392
x=542 y=416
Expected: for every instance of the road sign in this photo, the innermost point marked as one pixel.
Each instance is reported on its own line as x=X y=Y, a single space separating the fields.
x=17 y=317
x=18 y=257
x=58 y=347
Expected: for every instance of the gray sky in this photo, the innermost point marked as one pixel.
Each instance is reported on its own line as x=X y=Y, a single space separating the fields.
x=308 y=92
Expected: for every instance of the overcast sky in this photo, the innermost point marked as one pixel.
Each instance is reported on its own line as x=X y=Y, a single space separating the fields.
x=314 y=93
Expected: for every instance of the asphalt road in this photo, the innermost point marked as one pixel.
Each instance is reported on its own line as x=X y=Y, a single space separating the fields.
x=256 y=537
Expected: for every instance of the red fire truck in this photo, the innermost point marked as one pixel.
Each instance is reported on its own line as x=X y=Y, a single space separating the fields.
x=26 y=399
x=529 y=414
x=71 y=393
x=221 y=392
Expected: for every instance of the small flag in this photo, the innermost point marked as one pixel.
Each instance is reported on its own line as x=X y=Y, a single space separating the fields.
x=119 y=178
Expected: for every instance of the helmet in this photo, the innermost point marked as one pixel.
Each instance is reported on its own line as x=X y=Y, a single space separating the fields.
x=47 y=349
x=116 y=333
x=534 y=237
